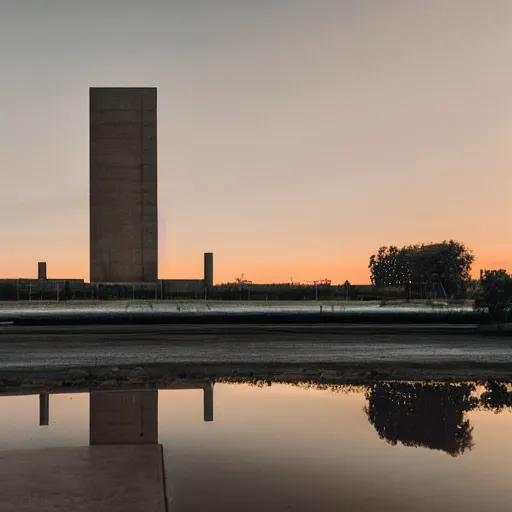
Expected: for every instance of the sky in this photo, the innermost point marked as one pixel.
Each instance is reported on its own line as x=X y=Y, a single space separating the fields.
x=295 y=137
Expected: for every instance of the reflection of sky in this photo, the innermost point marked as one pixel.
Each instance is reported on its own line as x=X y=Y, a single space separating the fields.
x=19 y=422
x=282 y=445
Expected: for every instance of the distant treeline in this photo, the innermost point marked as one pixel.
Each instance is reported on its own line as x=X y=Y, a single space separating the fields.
x=326 y=292
x=229 y=292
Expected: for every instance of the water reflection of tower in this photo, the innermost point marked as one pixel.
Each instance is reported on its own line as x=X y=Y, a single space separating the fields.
x=131 y=417
x=123 y=466
x=123 y=417
x=126 y=417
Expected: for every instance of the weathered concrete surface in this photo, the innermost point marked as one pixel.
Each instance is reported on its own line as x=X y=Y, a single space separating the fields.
x=123 y=185
x=99 y=478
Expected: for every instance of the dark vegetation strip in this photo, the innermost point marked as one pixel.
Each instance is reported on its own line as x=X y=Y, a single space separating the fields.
x=168 y=376
x=141 y=318
x=249 y=331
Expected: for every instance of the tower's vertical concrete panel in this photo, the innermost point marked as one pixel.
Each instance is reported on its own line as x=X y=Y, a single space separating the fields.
x=123 y=185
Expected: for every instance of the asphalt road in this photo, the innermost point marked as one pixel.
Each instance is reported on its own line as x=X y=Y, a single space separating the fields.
x=67 y=347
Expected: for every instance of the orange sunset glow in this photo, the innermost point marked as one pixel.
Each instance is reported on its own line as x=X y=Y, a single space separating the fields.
x=294 y=138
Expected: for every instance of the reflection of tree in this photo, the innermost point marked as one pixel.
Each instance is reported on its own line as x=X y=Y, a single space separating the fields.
x=496 y=397
x=422 y=415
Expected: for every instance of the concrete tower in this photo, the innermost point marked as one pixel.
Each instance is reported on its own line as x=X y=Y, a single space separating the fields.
x=123 y=185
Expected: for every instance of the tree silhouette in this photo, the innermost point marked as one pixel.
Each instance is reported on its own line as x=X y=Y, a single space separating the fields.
x=495 y=294
x=417 y=415
x=496 y=397
x=444 y=264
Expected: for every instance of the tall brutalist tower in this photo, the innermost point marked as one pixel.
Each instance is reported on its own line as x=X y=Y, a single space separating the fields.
x=123 y=185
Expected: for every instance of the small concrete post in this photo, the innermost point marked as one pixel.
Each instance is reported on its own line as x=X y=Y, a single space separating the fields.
x=44 y=409
x=41 y=270
x=208 y=269
x=208 y=402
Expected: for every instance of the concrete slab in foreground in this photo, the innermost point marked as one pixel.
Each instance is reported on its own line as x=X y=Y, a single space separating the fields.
x=100 y=478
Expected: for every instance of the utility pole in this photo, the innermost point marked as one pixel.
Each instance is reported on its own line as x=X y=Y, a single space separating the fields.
x=241 y=281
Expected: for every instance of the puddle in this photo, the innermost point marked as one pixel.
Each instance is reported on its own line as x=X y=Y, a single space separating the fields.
x=232 y=447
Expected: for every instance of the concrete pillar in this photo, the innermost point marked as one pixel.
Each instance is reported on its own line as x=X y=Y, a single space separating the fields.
x=41 y=270
x=208 y=269
x=208 y=402
x=44 y=409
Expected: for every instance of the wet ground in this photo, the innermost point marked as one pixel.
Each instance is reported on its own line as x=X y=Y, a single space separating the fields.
x=230 y=447
x=351 y=352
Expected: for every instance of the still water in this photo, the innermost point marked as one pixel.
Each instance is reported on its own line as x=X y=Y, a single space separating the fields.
x=233 y=447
